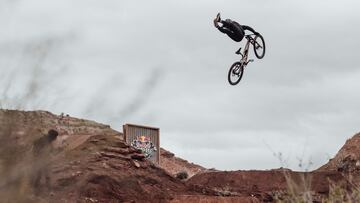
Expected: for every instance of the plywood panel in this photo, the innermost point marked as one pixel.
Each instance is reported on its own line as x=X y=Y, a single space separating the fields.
x=145 y=138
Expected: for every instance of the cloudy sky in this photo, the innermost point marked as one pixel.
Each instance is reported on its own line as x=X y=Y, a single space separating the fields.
x=162 y=63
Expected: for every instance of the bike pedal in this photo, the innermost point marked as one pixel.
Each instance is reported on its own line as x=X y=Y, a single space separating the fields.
x=251 y=60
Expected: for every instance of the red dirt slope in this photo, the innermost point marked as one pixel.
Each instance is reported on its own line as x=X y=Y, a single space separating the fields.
x=262 y=184
x=174 y=164
x=347 y=159
x=104 y=169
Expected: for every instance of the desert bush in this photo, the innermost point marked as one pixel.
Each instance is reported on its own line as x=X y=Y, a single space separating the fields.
x=182 y=175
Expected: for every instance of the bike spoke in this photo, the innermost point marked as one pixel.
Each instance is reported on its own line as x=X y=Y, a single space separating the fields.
x=235 y=73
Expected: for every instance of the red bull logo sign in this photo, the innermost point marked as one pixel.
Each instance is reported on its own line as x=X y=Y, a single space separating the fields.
x=144 y=138
x=145 y=145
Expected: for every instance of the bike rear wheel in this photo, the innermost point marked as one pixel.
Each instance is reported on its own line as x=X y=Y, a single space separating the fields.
x=235 y=73
x=259 y=46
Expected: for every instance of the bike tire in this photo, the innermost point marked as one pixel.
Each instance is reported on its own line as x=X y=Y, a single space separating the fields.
x=236 y=69
x=259 y=51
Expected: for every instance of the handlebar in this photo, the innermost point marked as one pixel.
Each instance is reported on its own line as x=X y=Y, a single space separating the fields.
x=249 y=35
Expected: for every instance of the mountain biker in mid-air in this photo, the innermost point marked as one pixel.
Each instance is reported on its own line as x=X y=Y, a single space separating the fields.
x=232 y=28
x=237 y=32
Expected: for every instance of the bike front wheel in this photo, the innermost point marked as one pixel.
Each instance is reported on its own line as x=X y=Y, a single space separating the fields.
x=259 y=46
x=235 y=73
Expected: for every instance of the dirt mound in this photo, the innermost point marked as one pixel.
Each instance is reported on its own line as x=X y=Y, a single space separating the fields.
x=105 y=169
x=347 y=159
x=21 y=128
x=26 y=126
x=175 y=165
x=263 y=184
x=93 y=163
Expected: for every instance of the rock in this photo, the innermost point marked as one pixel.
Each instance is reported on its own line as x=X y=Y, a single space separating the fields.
x=133 y=150
x=114 y=156
x=94 y=141
x=348 y=164
x=121 y=144
x=88 y=199
x=166 y=154
x=140 y=157
x=115 y=166
x=267 y=198
x=136 y=164
x=105 y=165
x=118 y=150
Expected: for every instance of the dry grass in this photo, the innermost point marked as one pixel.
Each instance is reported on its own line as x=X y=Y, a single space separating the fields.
x=300 y=191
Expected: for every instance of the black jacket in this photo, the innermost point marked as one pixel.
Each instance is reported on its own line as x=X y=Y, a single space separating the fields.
x=234 y=30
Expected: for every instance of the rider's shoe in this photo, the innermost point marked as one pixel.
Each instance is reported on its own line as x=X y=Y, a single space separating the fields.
x=238 y=51
x=218 y=18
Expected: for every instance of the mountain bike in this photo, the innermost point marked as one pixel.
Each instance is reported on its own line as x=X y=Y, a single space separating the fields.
x=237 y=69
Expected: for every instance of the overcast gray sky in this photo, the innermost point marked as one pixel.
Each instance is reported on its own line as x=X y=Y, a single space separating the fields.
x=162 y=63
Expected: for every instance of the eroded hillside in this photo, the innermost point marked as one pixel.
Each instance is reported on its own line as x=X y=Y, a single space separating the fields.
x=92 y=163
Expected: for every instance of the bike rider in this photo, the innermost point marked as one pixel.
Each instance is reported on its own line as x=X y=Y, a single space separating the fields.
x=233 y=29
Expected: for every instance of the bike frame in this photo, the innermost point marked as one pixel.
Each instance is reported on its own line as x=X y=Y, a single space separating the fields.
x=244 y=55
x=237 y=68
